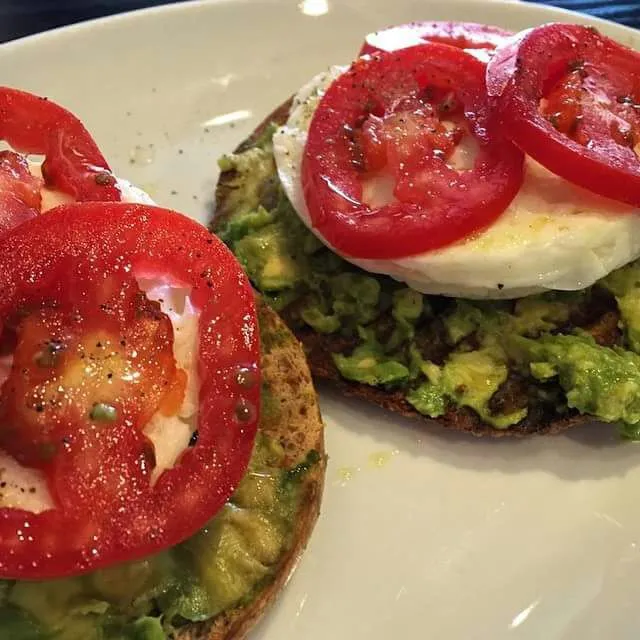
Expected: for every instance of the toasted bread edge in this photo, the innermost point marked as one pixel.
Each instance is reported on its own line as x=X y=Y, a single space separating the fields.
x=299 y=428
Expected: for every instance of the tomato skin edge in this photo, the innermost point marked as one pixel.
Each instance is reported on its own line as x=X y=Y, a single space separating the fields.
x=73 y=162
x=516 y=86
x=349 y=227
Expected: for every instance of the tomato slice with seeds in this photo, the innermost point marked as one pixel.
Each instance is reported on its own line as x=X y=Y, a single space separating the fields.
x=570 y=98
x=478 y=40
x=73 y=162
x=93 y=365
x=402 y=116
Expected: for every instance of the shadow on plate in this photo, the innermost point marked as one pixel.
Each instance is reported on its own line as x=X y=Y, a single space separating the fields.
x=589 y=451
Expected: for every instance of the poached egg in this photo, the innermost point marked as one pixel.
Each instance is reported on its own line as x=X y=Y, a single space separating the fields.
x=553 y=236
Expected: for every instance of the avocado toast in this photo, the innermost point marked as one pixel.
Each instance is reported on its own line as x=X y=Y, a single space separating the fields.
x=535 y=365
x=230 y=572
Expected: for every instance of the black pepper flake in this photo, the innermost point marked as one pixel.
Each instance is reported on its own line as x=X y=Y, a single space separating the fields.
x=500 y=286
x=105 y=179
x=174 y=192
x=575 y=124
x=576 y=65
x=180 y=151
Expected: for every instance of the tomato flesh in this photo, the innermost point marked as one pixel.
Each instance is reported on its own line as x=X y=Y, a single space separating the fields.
x=68 y=362
x=93 y=362
x=73 y=162
x=479 y=40
x=570 y=98
x=20 y=198
x=403 y=114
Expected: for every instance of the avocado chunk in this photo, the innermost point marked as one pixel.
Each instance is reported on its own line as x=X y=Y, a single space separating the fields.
x=252 y=170
x=17 y=624
x=352 y=301
x=539 y=314
x=146 y=628
x=428 y=399
x=597 y=380
x=241 y=546
x=62 y=607
x=407 y=307
x=468 y=379
x=317 y=319
x=263 y=257
x=244 y=224
x=369 y=364
x=492 y=321
x=466 y=318
x=355 y=297
x=227 y=568
x=624 y=284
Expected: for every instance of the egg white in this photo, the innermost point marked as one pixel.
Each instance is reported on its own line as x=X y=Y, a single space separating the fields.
x=553 y=235
x=52 y=198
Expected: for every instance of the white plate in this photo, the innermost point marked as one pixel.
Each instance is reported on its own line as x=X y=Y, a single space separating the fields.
x=423 y=534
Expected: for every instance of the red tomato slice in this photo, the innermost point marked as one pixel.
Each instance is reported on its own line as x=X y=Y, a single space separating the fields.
x=93 y=361
x=479 y=40
x=20 y=197
x=73 y=163
x=400 y=116
x=570 y=98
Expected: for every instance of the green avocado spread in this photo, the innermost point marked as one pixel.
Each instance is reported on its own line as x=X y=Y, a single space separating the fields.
x=221 y=567
x=507 y=361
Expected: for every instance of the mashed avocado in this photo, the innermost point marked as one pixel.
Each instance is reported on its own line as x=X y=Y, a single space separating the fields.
x=220 y=567
x=597 y=380
x=500 y=359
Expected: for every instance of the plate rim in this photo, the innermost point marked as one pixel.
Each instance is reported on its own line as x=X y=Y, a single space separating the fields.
x=195 y=5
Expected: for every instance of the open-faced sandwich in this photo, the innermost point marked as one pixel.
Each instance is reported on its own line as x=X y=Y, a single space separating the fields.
x=161 y=448
x=450 y=225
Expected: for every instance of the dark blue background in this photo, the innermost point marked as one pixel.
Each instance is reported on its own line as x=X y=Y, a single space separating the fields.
x=23 y=17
